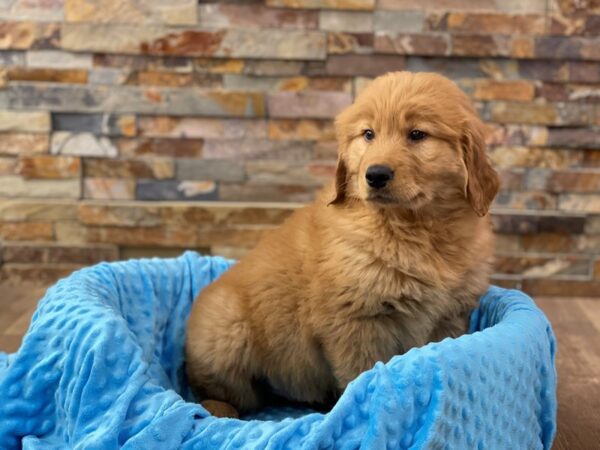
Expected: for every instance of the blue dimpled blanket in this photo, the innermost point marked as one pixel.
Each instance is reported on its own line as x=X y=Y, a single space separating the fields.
x=101 y=367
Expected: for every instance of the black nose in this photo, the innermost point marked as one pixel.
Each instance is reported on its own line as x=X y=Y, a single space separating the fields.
x=378 y=176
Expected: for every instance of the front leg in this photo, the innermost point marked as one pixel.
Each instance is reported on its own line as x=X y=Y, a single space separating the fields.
x=355 y=346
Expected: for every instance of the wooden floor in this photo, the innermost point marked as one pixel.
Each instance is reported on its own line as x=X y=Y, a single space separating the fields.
x=576 y=323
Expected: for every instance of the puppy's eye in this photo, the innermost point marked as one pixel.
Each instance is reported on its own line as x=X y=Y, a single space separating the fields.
x=369 y=135
x=417 y=135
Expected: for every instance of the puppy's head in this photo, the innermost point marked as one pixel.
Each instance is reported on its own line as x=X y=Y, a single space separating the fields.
x=414 y=141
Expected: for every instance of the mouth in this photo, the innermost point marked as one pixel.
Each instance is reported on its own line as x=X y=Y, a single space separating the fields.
x=381 y=198
x=386 y=199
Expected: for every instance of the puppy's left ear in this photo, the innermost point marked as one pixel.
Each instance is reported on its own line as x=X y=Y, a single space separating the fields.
x=482 y=180
x=341 y=173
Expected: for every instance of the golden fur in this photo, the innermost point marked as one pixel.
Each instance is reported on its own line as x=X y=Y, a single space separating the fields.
x=358 y=277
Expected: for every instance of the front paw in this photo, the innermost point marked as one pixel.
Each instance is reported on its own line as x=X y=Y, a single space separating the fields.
x=220 y=409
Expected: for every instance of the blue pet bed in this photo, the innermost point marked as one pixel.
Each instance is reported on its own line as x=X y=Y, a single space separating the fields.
x=101 y=368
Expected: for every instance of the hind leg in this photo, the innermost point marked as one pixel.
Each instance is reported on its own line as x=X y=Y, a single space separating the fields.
x=219 y=352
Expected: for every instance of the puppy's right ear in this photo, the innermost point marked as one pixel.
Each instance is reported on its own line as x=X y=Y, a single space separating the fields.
x=341 y=172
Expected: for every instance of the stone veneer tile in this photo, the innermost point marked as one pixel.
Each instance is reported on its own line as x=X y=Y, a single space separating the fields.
x=231 y=15
x=49 y=167
x=29 y=35
x=210 y=169
x=252 y=149
x=172 y=12
x=412 y=44
x=318 y=105
x=32 y=10
x=172 y=147
x=176 y=101
x=108 y=188
x=156 y=168
x=26 y=231
x=354 y=21
x=82 y=144
x=23 y=143
x=25 y=121
x=56 y=253
x=197 y=127
x=176 y=190
x=57 y=59
x=398 y=21
x=231 y=43
x=16 y=186
x=323 y=4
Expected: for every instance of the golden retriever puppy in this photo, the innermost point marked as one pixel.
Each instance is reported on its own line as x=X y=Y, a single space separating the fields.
x=393 y=255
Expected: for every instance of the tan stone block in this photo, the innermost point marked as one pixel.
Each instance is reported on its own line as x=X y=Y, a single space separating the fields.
x=172 y=79
x=3 y=79
x=26 y=210
x=108 y=189
x=597 y=269
x=506 y=243
x=548 y=243
x=32 y=10
x=130 y=215
x=307 y=104
x=574 y=181
x=580 y=203
x=41 y=274
x=229 y=43
x=341 y=43
x=304 y=129
x=492 y=23
x=219 y=66
x=562 y=288
x=527 y=200
x=27 y=35
x=543 y=158
x=129 y=168
x=23 y=143
x=188 y=215
x=8 y=165
x=57 y=59
x=70 y=232
x=57 y=253
x=25 y=121
x=330 y=84
x=74 y=76
x=533 y=266
x=259 y=192
x=522 y=47
x=174 y=12
x=134 y=236
x=324 y=4
x=525 y=113
x=412 y=44
x=51 y=167
x=174 y=148
x=289 y=173
x=253 y=15
x=517 y=90
x=26 y=231
x=480 y=45
x=354 y=21
x=198 y=127
x=236 y=103
x=16 y=186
